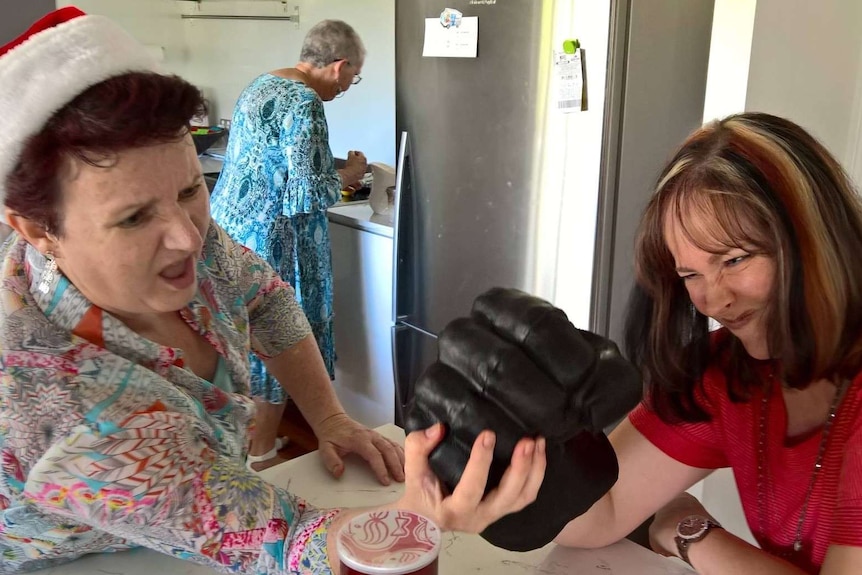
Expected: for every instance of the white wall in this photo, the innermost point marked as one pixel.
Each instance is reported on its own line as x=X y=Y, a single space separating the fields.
x=223 y=56
x=805 y=65
x=155 y=23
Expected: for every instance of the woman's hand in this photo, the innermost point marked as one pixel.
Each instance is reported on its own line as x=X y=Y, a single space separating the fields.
x=662 y=531
x=339 y=435
x=466 y=510
x=354 y=169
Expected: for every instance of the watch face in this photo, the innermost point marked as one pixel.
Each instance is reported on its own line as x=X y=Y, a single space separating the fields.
x=691 y=527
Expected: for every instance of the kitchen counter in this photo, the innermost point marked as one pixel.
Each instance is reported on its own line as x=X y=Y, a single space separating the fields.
x=356 y=214
x=360 y=216
x=461 y=553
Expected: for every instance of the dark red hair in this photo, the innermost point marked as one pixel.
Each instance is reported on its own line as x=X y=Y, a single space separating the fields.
x=127 y=111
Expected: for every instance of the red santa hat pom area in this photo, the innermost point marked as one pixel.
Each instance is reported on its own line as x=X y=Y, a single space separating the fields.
x=45 y=68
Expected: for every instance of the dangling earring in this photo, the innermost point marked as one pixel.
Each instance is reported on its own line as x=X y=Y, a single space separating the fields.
x=49 y=274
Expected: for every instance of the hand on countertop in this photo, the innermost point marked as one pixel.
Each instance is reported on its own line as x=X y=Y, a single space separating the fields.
x=339 y=435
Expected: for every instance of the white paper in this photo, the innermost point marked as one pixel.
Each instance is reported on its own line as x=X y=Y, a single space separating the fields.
x=569 y=77
x=454 y=42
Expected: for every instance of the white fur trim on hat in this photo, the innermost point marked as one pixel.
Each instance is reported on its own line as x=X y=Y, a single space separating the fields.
x=49 y=69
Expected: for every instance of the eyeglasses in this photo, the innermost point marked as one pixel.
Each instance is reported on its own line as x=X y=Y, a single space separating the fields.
x=356 y=77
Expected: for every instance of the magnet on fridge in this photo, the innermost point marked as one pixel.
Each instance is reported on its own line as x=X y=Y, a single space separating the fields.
x=571 y=46
x=450 y=18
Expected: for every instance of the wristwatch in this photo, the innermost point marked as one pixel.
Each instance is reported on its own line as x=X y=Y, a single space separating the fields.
x=691 y=530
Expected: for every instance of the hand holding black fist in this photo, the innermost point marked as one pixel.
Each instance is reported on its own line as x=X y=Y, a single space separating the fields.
x=517 y=366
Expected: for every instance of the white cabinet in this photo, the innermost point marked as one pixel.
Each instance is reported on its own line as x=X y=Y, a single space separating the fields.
x=362 y=276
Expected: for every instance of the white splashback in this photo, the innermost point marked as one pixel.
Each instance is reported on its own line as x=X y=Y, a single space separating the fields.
x=223 y=56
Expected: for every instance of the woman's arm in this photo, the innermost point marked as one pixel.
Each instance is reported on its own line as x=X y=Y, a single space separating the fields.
x=154 y=478
x=842 y=560
x=300 y=370
x=467 y=509
x=722 y=553
x=648 y=479
x=650 y=482
x=279 y=333
x=151 y=479
x=313 y=183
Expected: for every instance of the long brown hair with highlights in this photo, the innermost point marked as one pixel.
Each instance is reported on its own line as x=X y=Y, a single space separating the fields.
x=771 y=185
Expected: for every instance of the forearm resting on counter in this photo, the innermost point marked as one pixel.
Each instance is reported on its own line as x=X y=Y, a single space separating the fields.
x=300 y=370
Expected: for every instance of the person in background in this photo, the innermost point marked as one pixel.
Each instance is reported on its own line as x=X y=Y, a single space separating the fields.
x=126 y=321
x=278 y=180
x=754 y=225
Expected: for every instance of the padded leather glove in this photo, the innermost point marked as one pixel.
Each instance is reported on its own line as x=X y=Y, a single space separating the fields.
x=519 y=367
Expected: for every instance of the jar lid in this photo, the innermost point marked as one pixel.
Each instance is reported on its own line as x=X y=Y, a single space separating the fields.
x=390 y=542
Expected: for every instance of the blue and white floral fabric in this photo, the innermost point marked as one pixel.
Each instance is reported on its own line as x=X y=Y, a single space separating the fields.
x=276 y=184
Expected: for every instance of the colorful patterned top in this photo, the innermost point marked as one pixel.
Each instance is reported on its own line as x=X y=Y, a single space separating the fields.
x=108 y=443
x=276 y=184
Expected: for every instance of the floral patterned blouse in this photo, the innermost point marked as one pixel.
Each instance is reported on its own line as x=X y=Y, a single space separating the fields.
x=107 y=442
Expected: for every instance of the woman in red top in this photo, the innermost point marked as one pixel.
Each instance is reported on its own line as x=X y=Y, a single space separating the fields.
x=756 y=226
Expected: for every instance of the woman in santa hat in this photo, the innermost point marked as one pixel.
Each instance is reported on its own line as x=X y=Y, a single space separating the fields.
x=126 y=318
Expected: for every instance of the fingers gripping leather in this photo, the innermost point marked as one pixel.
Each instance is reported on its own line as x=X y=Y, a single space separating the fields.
x=579 y=472
x=519 y=367
x=442 y=395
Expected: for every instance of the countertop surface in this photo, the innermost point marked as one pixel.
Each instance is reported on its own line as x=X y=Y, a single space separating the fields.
x=461 y=553
x=359 y=215
x=210 y=164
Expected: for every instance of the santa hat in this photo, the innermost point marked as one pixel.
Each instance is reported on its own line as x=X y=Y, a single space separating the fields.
x=45 y=68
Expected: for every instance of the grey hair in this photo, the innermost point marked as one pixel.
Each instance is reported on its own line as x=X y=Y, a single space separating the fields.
x=331 y=40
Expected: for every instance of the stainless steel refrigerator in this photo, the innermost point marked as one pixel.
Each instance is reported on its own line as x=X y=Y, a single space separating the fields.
x=470 y=156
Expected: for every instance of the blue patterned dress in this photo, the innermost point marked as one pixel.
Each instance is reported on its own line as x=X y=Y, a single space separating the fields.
x=276 y=184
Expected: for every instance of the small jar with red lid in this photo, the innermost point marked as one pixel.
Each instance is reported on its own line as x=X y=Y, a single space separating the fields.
x=392 y=542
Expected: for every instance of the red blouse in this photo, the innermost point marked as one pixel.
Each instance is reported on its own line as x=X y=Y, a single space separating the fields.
x=773 y=503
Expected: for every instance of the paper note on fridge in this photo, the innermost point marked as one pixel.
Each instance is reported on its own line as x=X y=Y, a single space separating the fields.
x=459 y=41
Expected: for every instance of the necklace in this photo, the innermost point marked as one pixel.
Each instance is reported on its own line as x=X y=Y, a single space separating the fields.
x=818 y=462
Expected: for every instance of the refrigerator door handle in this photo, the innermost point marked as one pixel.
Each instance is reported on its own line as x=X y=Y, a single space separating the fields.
x=401 y=223
x=398 y=376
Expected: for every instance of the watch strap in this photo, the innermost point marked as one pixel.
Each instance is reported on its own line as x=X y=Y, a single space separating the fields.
x=682 y=545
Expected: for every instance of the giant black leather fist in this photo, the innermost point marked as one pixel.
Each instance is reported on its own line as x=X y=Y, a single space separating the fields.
x=517 y=366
